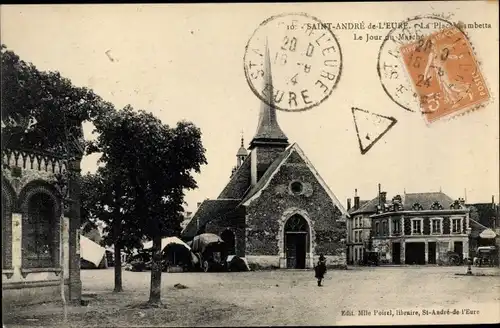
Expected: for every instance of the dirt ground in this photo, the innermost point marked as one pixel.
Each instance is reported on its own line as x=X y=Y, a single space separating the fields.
x=281 y=297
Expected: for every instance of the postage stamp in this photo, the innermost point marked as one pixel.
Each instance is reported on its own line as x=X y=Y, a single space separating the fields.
x=390 y=67
x=305 y=57
x=445 y=74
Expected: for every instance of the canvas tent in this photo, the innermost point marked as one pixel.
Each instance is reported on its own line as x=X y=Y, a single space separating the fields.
x=175 y=250
x=91 y=251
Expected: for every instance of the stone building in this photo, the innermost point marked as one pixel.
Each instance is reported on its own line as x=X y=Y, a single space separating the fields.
x=275 y=210
x=413 y=228
x=420 y=228
x=358 y=228
x=31 y=226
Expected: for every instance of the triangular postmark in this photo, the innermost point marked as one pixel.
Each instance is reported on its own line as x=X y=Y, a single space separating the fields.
x=370 y=127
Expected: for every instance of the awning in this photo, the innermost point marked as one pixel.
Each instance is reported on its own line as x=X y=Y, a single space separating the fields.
x=91 y=251
x=488 y=234
x=165 y=242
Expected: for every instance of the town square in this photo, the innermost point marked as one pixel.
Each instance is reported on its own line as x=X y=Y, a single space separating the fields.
x=160 y=176
x=277 y=298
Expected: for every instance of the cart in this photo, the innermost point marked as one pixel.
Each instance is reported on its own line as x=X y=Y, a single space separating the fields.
x=211 y=252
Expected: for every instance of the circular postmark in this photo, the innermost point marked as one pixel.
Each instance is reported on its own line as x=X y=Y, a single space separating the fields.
x=300 y=55
x=390 y=65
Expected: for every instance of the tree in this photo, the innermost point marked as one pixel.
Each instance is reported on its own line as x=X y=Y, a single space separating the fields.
x=44 y=111
x=154 y=163
x=105 y=198
x=41 y=110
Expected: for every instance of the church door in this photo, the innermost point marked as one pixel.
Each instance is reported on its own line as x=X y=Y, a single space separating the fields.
x=296 y=240
x=228 y=237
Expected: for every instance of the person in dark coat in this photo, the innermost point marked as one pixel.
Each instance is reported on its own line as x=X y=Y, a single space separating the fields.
x=320 y=269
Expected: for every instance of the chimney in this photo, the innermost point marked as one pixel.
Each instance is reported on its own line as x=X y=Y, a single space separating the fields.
x=356 y=199
x=492 y=201
x=348 y=204
x=198 y=204
x=382 y=197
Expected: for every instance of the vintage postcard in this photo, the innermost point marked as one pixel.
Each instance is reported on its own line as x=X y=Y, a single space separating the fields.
x=328 y=164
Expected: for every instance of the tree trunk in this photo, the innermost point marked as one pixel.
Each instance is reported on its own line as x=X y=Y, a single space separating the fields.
x=156 y=269
x=117 y=258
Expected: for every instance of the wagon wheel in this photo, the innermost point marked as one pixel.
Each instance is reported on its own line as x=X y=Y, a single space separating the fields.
x=205 y=266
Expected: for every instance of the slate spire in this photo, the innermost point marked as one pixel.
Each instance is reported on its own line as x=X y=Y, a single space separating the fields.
x=268 y=129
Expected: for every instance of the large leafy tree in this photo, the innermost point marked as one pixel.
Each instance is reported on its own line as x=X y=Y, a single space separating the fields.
x=107 y=198
x=43 y=110
x=153 y=163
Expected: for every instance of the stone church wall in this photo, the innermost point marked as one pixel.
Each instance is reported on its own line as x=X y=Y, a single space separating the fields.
x=267 y=215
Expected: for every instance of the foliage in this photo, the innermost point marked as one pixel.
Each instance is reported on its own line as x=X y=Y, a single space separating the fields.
x=154 y=160
x=40 y=109
x=105 y=199
x=147 y=167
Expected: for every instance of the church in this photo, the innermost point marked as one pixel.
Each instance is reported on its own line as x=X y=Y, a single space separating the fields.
x=275 y=210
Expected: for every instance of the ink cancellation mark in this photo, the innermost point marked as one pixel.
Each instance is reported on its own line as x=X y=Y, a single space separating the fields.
x=306 y=64
x=370 y=127
x=445 y=74
x=390 y=65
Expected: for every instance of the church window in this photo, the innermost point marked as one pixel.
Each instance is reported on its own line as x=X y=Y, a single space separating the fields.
x=296 y=187
x=296 y=223
x=40 y=233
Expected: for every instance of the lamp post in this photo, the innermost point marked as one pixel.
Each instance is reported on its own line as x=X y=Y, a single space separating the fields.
x=469 y=269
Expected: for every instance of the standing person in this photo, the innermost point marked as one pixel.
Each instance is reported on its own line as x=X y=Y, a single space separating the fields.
x=320 y=269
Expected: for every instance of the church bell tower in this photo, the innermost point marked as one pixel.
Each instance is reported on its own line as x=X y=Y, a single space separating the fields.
x=269 y=140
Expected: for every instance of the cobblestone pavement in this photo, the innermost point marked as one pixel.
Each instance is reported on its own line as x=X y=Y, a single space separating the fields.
x=389 y=294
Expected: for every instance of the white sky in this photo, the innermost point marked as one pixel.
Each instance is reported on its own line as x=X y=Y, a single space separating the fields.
x=186 y=62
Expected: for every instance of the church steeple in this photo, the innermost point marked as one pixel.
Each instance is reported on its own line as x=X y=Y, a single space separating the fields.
x=242 y=153
x=268 y=129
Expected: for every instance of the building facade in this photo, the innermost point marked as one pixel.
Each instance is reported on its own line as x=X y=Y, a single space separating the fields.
x=358 y=227
x=413 y=228
x=32 y=233
x=421 y=233
x=276 y=210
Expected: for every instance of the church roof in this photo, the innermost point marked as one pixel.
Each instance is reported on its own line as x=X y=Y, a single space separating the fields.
x=274 y=168
x=268 y=129
x=268 y=174
x=208 y=210
x=239 y=183
x=242 y=152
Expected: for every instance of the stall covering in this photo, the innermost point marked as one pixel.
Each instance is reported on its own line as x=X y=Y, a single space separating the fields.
x=200 y=242
x=175 y=250
x=167 y=241
x=90 y=251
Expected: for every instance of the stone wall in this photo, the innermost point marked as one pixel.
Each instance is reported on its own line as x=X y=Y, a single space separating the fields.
x=22 y=175
x=267 y=214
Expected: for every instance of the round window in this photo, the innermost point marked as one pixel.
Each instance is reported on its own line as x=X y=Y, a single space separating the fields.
x=296 y=187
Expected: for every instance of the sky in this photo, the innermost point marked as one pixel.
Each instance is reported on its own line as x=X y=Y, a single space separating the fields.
x=186 y=62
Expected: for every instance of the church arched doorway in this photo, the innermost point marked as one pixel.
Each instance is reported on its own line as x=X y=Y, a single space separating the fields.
x=296 y=242
x=228 y=237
